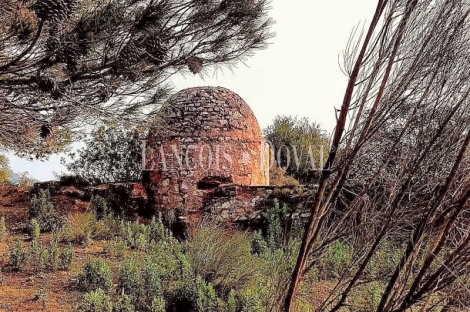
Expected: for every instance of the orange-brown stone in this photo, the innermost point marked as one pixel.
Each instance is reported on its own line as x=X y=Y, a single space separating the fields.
x=208 y=137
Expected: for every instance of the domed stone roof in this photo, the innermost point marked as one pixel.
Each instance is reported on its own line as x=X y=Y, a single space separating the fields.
x=210 y=112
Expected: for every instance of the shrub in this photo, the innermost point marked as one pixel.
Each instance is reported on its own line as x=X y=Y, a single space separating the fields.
x=157 y=230
x=276 y=224
x=278 y=177
x=17 y=256
x=136 y=235
x=151 y=286
x=158 y=304
x=106 y=228
x=307 y=138
x=221 y=258
x=258 y=243
x=65 y=257
x=53 y=254
x=141 y=241
x=231 y=302
x=142 y=283
x=40 y=259
x=129 y=280
x=123 y=303
x=117 y=246
x=43 y=211
x=337 y=256
x=94 y=275
x=34 y=230
x=80 y=227
x=99 y=207
x=96 y=301
x=206 y=297
x=3 y=229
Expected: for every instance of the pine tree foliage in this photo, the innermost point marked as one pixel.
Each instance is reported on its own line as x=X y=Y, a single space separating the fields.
x=69 y=63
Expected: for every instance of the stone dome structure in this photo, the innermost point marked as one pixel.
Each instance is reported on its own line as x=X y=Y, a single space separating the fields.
x=207 y=137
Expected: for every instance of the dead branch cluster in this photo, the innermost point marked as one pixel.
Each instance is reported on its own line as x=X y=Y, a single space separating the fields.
x=400 y=160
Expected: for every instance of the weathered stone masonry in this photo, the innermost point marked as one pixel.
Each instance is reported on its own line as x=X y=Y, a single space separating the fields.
x=209 y=137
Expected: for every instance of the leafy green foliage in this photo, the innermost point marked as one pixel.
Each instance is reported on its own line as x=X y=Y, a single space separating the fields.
x=231 y=302
x=112 y=154
x=123 y=303
x=96 y=274
x=34 y=230
x=40 y=258
x=304 y=140
x=258 y=243
x=206 y=297
x=79 y=228
x=96 y=301
x=65 y=257
x=276 y=217
x=53 y=254
x=44 y=212
x=17 y=256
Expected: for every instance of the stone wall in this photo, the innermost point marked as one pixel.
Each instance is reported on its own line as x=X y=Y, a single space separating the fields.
x=228 y=203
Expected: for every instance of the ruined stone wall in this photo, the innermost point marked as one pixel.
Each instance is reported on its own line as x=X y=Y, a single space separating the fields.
x=209 y=137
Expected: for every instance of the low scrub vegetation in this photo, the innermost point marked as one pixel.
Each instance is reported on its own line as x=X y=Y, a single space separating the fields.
x=127 y=265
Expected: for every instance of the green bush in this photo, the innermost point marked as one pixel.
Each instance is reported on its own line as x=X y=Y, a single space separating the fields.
x=231 y=302
x=99 y=207
x=129 y=280
x=65 y=257
x=136 y=235
x=53 y=253
x=150 y=283
x=141 y=282
x=158 y=304
x=115 y=246
x=3 y=229
x=123 y=303
x=43 y=211
x=206 y=298
x=157 y=231
x=258 y=244
x=95 y=301
x=95 y=274
x=34 y=230
x=337 y=256
x=307 y=138
x=17 y=256
x=106 y=228
x=41 y=260
x=276 y=217
x=39 y=257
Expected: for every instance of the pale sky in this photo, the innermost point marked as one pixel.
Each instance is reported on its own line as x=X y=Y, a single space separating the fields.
x=297 y=75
